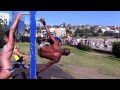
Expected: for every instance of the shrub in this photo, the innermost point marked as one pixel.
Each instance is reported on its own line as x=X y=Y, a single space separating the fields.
x=84 y=47
x=2 y=42
x=25 y=39
x=116 y=49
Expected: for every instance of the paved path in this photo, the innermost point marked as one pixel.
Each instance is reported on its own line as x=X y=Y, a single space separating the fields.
x=53 y=72
x=108 y=49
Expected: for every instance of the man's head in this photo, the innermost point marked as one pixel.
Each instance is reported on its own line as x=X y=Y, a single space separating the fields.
x=43 y=39
x=65 y=51
x=6 y=36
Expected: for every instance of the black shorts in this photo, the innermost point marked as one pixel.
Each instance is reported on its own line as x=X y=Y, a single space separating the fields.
x=105 y=46
x=20 y=59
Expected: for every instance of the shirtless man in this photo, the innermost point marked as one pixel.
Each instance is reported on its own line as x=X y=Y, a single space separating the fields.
x=9 y=37
x=52 y=52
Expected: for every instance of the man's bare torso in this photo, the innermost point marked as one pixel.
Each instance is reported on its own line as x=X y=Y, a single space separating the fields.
x=50 y=52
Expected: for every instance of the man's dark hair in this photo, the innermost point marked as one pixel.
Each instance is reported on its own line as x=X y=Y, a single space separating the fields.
x=43 y=39
x=50 y=41
x=66 y=51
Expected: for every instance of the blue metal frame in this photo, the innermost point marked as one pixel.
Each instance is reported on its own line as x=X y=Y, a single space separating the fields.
x=32 y=45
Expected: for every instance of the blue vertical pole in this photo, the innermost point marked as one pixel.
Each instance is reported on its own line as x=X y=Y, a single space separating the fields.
x=32 y=45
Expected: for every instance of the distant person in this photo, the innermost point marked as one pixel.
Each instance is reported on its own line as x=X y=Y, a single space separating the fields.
x=71 y=41
x=105 y=43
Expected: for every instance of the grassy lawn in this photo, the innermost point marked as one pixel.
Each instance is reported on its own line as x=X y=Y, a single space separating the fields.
x=106 y=64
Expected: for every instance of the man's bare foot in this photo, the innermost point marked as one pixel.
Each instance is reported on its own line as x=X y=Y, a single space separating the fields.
x=37 y=73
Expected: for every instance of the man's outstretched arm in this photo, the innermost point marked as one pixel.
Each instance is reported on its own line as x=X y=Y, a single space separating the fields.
x=47 y=29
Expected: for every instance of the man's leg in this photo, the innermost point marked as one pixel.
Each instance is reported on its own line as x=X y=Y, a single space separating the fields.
x=45 y=66
x=53 y=61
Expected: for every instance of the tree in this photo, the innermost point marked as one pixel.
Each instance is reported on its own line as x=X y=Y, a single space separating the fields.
x=108 y=33
x=100 y=31
x=86 y=32
x=81 y=33
x=38 y=29
x=92 y=28
x=1 y=38
x=64 y=24
x=95 y=34
x=42 y=27
x=3 y=27
x=78 y=32
x=67 y=30
x=27 y=30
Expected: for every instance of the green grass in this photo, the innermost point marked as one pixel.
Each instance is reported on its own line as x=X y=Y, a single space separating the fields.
x=24 y=47
x=106 y=64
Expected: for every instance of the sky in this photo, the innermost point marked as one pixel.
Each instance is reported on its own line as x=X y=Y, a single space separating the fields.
x=80 y=17
x=109 y=18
